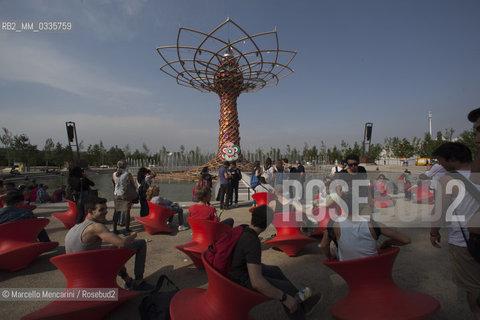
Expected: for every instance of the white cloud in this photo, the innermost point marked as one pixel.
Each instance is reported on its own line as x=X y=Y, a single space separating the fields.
x=38 y=62
x=106 y=20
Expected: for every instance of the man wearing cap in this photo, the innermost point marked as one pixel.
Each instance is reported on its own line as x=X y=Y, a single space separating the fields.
x=247 y=268
x=12 y=212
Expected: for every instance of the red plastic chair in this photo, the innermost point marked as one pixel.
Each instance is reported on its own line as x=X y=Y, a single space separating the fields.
x=383 y=202
x=19 y=245
x=69 y=217
x=156 y=221
x=289 y=238
x=204 y=233
x=373 y=293
x=224 y=299
x=424 y=195
x=262 y=198
x=88 y=269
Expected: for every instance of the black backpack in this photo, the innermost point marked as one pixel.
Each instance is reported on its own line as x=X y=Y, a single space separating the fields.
x=156 y=306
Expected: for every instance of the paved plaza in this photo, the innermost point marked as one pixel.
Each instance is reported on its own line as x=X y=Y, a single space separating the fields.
x=419 y=267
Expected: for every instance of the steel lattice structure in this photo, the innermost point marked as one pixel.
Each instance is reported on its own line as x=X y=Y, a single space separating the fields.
x=220 y=66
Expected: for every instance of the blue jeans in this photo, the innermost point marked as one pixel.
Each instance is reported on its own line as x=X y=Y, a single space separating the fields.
x=179 y=212
x=275 y=276
x=140 y=256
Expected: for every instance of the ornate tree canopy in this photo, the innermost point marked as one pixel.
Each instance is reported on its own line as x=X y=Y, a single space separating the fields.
x=197 y=64
x=210 y=62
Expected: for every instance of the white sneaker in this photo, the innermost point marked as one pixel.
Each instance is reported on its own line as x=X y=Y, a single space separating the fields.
x=183 y=228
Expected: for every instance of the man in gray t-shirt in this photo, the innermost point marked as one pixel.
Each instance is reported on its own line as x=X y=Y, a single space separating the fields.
x=90 y=234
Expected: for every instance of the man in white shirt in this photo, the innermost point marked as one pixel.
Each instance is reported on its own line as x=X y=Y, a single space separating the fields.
x=455 y=156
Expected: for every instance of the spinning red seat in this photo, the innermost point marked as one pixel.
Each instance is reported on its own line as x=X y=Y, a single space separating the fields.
x=224 y=299
x=374 y=295
x=69 y=217
x=19 y=245
x=88 y=269
x=156 y=221
x=424 y=195
x=383 y=202
x=204 y=233
x=324 y=214
x=262 y=198
x=289 y=238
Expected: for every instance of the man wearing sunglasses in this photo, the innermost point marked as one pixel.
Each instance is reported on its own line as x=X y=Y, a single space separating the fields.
x=354 y=172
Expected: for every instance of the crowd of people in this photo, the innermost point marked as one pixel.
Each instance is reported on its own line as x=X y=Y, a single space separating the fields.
x=345 y=239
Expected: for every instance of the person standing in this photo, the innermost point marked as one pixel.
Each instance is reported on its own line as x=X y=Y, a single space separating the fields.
x=236 y=176
x=78 y=187
x=224 y=177
x=121 y=178
x=455 y=156
x=144 y=179
x=300 y=172
x=268 y=170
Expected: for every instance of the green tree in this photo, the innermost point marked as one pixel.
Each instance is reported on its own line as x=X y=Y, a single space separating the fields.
x=374 y=152
x=334 y=155
x=7 y=140
x=429 y=145
x=24 y=151
x=48 y=150
x=402 y=148
x=113 y=155
x=467 y=137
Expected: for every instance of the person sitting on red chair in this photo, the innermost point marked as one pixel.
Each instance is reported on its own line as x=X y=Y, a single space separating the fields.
x=12 y=212
x=247 y=269
x=90 y=234
x=153 y=195
x=202 y=211
x=357 y=238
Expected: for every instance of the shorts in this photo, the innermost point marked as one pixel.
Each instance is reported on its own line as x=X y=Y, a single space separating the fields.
x=121 y=204
x=466 y=271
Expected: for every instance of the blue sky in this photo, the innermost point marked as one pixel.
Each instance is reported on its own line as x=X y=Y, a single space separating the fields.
x=386 y=62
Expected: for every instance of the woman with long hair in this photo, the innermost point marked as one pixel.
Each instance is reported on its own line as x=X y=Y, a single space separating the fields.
x=144 y=179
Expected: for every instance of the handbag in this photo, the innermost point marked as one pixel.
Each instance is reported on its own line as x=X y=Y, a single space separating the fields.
x=473 y=241
x=131 y=194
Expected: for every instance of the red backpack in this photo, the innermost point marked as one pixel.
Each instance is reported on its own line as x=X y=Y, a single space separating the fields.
x=219 y=253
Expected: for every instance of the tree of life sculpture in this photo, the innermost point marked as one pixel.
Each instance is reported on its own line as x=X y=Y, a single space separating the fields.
x=224 y=67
